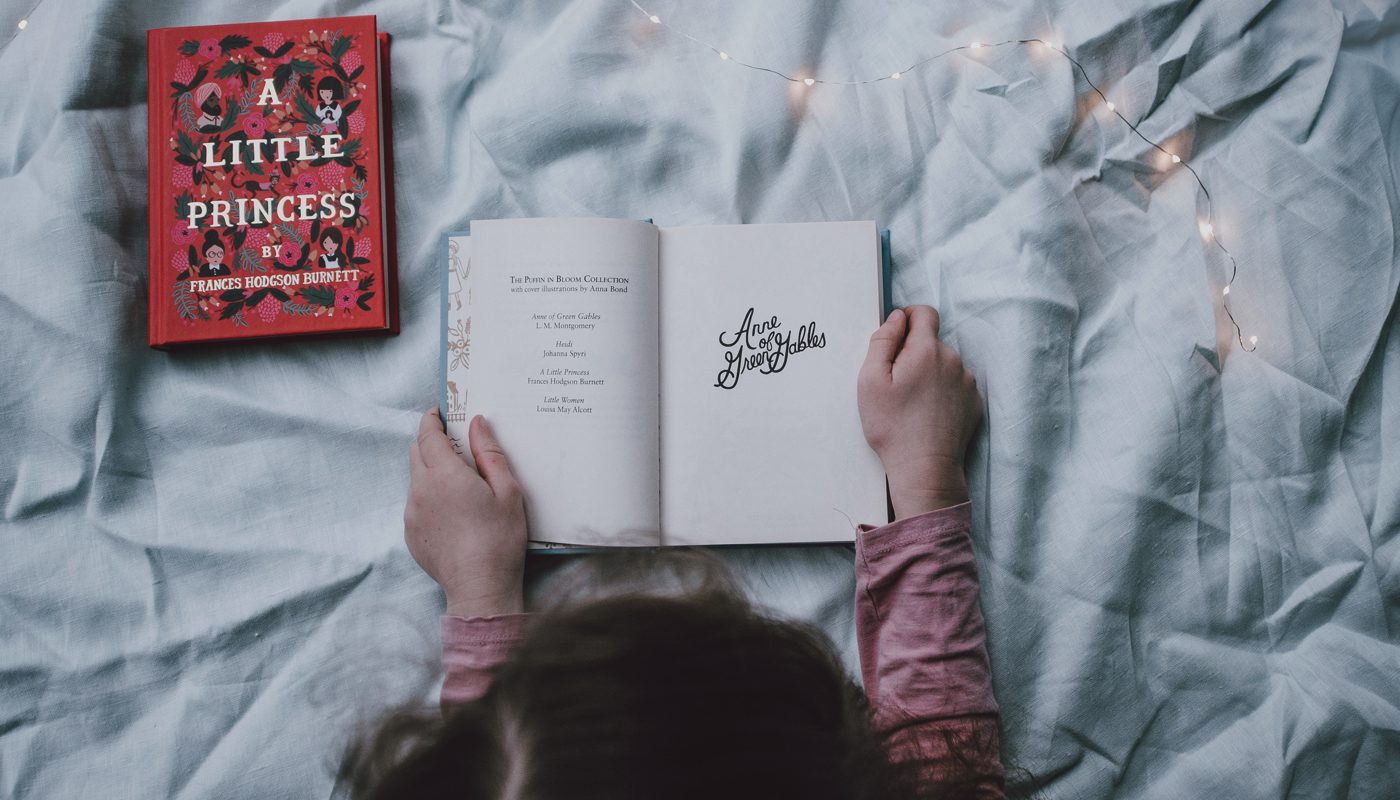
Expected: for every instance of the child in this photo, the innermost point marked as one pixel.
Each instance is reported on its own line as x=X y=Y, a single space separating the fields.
x=213 y=250
x=331 y=242
x=639 y=696
x=330 y=92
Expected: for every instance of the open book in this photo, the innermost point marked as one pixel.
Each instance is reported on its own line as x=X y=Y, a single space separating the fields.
x=669 y=386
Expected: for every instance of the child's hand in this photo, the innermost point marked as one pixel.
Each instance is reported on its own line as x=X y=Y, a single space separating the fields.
x=466 y=530
x=919 y=408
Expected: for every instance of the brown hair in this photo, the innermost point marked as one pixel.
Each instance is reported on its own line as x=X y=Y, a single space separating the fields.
x=641 y=696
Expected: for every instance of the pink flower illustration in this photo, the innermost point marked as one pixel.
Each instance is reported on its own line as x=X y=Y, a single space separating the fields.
x=255 y=239
x=255 y=126
x=332 y=175
x=362 y=248
x=183 y=234
x=307 y=183
x=180 y=260
x=184 y=71
x=287 y=254
x=182 y=176
x=357 y=122
x=345 y=295
x=209 y=48
x=351 y=61
x=304 y=228
x=269 y=308
x=272 y=41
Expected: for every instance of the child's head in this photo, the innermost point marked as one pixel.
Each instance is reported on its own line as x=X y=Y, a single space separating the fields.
x=213 y=248
x=645 y=697
x=331 y=241
x=207 y=97
x=329 y=89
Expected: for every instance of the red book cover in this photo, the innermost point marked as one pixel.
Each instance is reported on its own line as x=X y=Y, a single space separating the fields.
x=270 y=209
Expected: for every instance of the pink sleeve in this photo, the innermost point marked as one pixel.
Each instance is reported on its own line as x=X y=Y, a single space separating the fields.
x=923 y=649
x=471 y=651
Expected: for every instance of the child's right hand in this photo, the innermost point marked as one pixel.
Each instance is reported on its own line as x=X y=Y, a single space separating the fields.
x=919 y=407
x=466 y=527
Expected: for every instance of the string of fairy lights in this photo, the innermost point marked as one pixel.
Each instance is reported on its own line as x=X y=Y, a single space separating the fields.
x=1206 y=225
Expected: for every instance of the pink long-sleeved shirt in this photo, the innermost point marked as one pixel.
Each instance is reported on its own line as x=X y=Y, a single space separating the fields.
x=920 y=636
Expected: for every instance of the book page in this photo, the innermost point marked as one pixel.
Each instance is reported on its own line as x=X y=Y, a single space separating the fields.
x=455 y=354
x=562 y=348
x=763 y=329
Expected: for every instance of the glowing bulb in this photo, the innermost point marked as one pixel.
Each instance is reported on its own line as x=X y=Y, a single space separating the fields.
x=1226 y=290
x=1111 y=106
x=723 y=56
x=1176 y=159
x=24 y=23
x=895 y=76
x=1254 y=340
x=975 y=45
x=656 y=19
x=1207 y=230
x=809 y=81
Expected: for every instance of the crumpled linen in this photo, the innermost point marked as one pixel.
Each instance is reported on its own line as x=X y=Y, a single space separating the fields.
x=1188 y=551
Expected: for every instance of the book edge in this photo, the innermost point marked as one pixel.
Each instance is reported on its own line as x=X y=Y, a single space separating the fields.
x=154 y=337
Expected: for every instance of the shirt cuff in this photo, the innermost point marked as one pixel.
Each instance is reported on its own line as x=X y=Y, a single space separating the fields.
x=472 y=649
x=927 y=527
x=497 y=629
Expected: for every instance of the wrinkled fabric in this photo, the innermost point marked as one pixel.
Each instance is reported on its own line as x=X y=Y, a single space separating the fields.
x=1189 y=554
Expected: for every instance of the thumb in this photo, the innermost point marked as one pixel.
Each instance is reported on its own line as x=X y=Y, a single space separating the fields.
x=886 y=340
x=490 y=458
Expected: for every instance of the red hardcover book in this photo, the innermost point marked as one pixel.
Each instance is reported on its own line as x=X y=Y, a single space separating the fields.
x=271 y=213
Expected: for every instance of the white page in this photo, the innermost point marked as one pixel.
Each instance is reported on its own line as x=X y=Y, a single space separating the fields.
x=585 y=450
x=455 y=356
x=775 y=457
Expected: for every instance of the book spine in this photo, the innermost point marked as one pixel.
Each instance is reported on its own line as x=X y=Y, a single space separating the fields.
x=886 y=276
x=386 y=187
x=154 y=310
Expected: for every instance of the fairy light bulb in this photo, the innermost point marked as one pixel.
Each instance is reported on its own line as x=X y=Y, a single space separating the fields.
x=22 y=24
x=1155 y=157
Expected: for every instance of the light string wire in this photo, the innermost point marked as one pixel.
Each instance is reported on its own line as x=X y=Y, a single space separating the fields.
x=1207 y=226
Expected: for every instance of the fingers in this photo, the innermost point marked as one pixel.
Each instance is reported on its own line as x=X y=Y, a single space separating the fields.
x=885 y=342
x=490 y=458
x=433 y=446
x=923 y=325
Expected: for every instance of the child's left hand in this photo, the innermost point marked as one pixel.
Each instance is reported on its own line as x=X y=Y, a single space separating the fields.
x=466 y=528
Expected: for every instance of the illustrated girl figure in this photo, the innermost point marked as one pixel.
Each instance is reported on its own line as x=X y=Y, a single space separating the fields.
x=213 y=250
x=331 y=242
x=211 y=116
x=330 y=92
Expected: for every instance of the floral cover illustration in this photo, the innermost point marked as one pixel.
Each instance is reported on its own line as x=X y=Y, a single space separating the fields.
x=459 y=334
x=278 y=130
